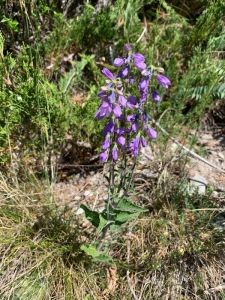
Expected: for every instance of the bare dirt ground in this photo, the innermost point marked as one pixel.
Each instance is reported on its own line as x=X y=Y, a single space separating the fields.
x=87 y=185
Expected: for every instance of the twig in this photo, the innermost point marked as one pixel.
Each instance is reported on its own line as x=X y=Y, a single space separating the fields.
x=141 y=36
x=188 y=151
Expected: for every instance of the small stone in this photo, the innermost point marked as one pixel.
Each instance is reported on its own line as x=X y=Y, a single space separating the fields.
x=198 y=182
x=88 y=193
x=220 y=154
x=77 y=198
x=80 y=211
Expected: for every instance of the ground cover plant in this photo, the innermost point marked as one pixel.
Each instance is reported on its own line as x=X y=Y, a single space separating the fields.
x=167 y=247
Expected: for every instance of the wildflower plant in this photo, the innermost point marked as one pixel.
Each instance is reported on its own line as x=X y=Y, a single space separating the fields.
x=125 y=102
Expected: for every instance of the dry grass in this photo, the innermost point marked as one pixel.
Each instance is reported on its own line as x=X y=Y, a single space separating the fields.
x=172 y=253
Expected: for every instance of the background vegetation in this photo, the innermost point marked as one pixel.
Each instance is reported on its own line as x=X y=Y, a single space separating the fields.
x=51 y=55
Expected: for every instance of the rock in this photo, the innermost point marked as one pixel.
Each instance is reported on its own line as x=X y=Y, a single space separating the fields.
x=198 y=182
x=80 y=211
x=220 y=154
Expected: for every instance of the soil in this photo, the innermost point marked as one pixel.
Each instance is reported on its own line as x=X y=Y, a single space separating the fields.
x=86 y=184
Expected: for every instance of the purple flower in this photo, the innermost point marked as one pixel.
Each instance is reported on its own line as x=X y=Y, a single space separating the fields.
x=152 y=133
x=107 y=73
x=134 y=127
x=147 y=73
x=155 y=96
x=122 y=100
x=131 y=118
x=121 y=141
x=109 y=128
x=136 y=142
x=143 y=85
x=145 y=117
x=103 y=156
x=163 y=81
x=131 y=102
x=103 y=111
x=111 y=97
x=117 y=111
x=138 y=57
x=139 y=61
x=120 y=131
x=118 y=62
x=123 y=73
x=106 y=144
x=131 y=80
x=143 y=142
x=134 y=146
x=143 y=97
x=103 y=95
x=127 y=47
x=115 y=154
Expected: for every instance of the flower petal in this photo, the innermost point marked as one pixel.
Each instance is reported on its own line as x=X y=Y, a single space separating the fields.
x=107 y=73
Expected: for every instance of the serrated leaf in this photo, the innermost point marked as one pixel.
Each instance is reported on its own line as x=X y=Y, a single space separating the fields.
x=91 y=215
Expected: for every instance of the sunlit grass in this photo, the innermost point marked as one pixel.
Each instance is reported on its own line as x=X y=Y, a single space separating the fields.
x=174 y=253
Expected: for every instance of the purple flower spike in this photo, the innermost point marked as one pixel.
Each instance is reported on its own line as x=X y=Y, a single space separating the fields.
x=163 y=81
x=127 y=47
x=115 y=154
x=118 y=62
x=122 y=100
x=109 y=128
x=117 y=111
x=152 y=133
x=107 y=73
x=103 y=156
x=106 y=144
x=155 y=96
x=121 y=141
x=103 y=111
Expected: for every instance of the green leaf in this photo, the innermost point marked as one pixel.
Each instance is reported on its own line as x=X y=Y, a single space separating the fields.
x=102 y=223
x=91 y=250
x=91 y=215
x=98 y=256
x=126 y=205
x=123 y=217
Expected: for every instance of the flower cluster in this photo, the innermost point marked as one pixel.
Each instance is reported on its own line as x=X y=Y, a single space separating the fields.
x=126 y=113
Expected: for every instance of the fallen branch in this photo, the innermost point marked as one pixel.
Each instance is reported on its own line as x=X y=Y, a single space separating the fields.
x=188 y=151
